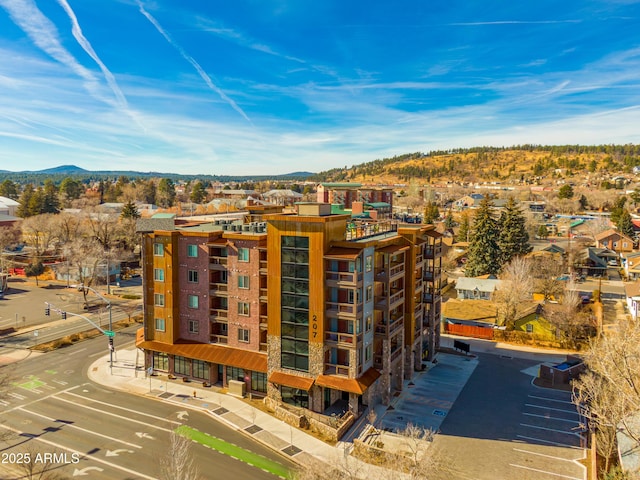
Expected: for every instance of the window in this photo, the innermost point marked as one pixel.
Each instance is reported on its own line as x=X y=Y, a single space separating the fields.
x=259 y=382
x=243 y=335
x=193 y=301
x=243 y=254
x=529 y=328
x=367 y=353
x=369 y=323
x=158 y=249
x=243 y=308
x=193 y=326
x=243 y=281
x=192 y=251
x=158 y=299
x=192 y=276
x=180 y=365
x=158 y=274
x=235 y=373
x=200 y=369
x=160 y=361
x=160 y=324
x=368 y=263
x=295 y=396
x=369 y=293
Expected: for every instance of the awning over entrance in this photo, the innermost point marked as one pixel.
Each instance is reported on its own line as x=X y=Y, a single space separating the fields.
x=295 y=381
x=235 y=357
x=351 y=385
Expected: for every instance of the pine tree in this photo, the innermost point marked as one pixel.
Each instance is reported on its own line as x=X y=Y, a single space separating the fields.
x=130 y=211
x=198 y=193
x=464 y=232
x=513 y=238
x=24 y=210
x=431 y=213
x=625 y=225
x=484 y=254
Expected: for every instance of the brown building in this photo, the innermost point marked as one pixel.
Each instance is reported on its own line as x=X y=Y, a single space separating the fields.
x=301 y=308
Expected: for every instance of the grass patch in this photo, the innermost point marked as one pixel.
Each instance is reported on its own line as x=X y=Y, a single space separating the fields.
x=234 y=451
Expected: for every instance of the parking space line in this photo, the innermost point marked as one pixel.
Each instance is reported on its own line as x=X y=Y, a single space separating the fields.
x=551 y=418
x=557 y=444
x=545 y=455
x=574 y=412
x=550 y=429
x=550 y=399
x=17 y=396
x=544 y=471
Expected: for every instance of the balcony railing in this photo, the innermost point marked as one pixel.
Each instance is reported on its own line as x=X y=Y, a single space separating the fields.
x=341 y=338
x=336 y=309
x=396 y=353
x=334 y=369
x=218 y=313
x=263 y=294
x=263 y=347
x=388 y=330
x=222 y=339
x=218 y=288
x=344 y=277
x=218 y=263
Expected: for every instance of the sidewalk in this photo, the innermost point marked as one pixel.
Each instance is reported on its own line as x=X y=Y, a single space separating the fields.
x=295 y=444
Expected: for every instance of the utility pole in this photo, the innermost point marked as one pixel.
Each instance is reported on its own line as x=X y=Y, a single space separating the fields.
x=110 y=333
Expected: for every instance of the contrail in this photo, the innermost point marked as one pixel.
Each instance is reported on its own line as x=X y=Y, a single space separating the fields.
x=192 y=61
x=43 y=33
x=84 y=43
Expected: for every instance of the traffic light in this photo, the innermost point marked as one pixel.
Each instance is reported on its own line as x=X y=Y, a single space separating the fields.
x=111 y=343
x=64 y=315
x=47 y=310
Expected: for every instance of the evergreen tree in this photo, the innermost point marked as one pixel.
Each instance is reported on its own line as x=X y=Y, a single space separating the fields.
x=625 y=225
x=71 y=189
x=198 y=192
x=483 y=256
x=431 y=213
x=584 y=203
x=166 y=193
x=149 y=192
x=464 y=232
x=543 y=231
x=449 y=222
x=25 y=201
x=130 y=211
x=9 y=189
x=618 y=208
x=50 y=200
x=566 y=191
x=513 y=238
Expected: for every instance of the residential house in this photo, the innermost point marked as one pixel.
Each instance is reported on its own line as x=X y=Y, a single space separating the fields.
x=631 y=265
x=473 y=288
x=614 y=240
x=632 y=294
x=8 y=206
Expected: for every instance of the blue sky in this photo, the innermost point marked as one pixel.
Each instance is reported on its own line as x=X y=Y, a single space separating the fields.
x=275 y=86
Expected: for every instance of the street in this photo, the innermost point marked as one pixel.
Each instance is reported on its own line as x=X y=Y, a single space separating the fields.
x=79 y=428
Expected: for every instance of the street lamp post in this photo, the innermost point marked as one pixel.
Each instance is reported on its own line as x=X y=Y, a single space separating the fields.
x=111 y=347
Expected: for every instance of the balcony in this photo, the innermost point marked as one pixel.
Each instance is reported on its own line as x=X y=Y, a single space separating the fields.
x=263 y=347
x=419 y=285
x=433 y=252
x=342 y=338
x=217 y=314
x=334 y=369
x=335 y=309
x=263 y=267
x=218 y=289
x=395 y=354
x=393 y=327
x=221 y=339
x=218 y=263
x=338 y=279
x=263 y=294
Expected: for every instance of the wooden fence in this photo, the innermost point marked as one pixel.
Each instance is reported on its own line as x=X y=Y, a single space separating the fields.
x=469 y=331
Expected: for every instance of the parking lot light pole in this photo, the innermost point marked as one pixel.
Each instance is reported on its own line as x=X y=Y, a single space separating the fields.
x=111 y=346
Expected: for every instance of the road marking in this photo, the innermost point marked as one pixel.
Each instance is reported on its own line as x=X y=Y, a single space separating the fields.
x=144 y=435
x=104 y=412
x=39 y=400
x=78 y=472
x=574 y=412
x=34 y=390
x=77 y=351
x=79 y=428
x=545 y=471
x=48 y=387
x=551 y=418
x=60 y=382
x=545 y=455
x=550 y=399
x=82 y=454
x=123 y=408
x=557 y=444
x=550 y=429
x=96 y=354
x=117 y=452
x=6 y=404
x=181 y=414
x=17 y=396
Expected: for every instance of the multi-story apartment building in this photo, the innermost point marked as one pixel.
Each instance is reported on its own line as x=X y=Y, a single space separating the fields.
x=310 y=309
x=346 y=193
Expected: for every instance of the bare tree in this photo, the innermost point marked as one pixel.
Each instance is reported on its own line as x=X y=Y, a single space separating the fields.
x=35 y=465
x=546 y=270
x=9 y=236
x=514 y=296
x=417 y=440
x=608 y=394
x=39 y=233
x=179 y=465
x=83 y=256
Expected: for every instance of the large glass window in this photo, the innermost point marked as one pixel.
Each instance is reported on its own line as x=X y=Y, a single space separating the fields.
x=243 y=335
x=193 y=301
x=235 y=373
x=243 y=281
x=160 y=361
x=194 y=326
x=295 y=396
x=180 y=365
x=192 y=250
x=259 y=382
x=192 y=276
x=200 y=369
x=158 y=274
x=243 y=309
x=158 y=249
x=295 y=303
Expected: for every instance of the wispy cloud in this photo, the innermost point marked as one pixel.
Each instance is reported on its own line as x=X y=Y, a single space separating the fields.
x=44 y=34
x=192 y=61
x=84 y=43
x=513 y=22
